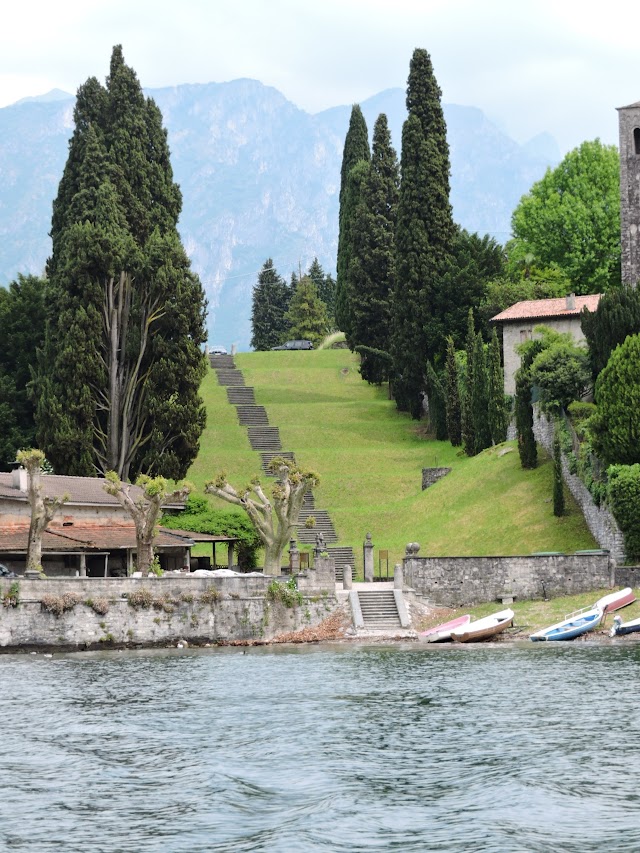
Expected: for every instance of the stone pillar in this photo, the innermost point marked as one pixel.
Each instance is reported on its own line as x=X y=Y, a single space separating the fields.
x=294 y=557
x=347 y=578
x=230 y=553
x=129 y=562
x=368 y=559
x=186 y=560
x=398 y=578
x=83 y=565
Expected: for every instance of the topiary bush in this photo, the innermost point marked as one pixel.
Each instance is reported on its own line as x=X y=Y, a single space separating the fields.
x=624 y=500
x=615 y=426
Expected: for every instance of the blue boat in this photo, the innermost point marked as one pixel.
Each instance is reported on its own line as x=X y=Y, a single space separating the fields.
x=572 y=626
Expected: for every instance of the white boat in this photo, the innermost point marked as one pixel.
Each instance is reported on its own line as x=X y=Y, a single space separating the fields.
x=443 y=631
x=572 y=626
x=616 y=600
x=483 y=629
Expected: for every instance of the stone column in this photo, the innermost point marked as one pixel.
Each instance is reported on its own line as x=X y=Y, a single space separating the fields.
x=368 y=559
x=83 y=565
x=398 y=579
x=294 y=557
x=347 y=578
x=230 y=553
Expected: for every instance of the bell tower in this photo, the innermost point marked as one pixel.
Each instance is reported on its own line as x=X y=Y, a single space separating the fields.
x=629 y=125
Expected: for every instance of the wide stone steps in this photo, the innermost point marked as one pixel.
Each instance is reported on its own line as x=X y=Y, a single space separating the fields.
x=223 y=362
x=342 y=556
x=264 y=438
x=252 y=416
x=324 y=525
x=230 y=377
x=267 y=456
x=379 y=609
x=238 y=395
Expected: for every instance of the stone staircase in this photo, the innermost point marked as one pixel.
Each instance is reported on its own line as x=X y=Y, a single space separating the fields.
x=221 y=362
x=239 y=395
x=230 y=376
x=264 y=438
x=342 y=556
x=252 y=416
x=324 y=525
x=267 y=457
x=379 y=610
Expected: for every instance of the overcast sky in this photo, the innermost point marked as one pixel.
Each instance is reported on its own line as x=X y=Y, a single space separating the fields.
x=531 y=65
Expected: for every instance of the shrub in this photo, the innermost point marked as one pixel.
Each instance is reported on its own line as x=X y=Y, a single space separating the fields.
x=558 y=491
x=615 y=427
x=98 y=605
x=287 y=593
x=624 y=500
x=11 y=596
x=140 y=599
x=210 y=595
x=59 y=604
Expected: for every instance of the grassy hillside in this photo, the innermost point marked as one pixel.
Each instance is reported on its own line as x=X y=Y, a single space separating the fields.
x=370 y=456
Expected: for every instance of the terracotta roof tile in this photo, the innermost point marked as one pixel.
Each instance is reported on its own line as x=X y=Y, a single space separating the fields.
x=83 y=490
x=534 y=309
x=82 y=538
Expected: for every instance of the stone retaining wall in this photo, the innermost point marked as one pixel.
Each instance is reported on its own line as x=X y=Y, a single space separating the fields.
x=599 y=519
x=457 y=581
x=432 y=475
x=169 y=608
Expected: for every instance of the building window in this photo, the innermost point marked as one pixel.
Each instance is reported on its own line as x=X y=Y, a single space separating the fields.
x=636 y=140
x=525 y=335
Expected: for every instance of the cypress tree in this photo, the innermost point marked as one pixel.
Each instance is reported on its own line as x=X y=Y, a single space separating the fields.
x=437 y=403
x=356 y=148
x=307 y=315
x=117 y=386
x=372 y=267
x=349 y=263
x=524 y=420
x=454 y=425
x=498 y=415
x=616 y=317
x=480 y=397
x=468 y=430
x=558 y=490
x=424 y=235
x=270 y=304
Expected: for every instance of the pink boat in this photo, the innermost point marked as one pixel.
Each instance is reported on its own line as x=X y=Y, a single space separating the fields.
x=616 y=600
x=443 y=632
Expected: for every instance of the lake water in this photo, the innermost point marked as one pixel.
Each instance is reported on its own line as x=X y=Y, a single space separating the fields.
x=512 y=747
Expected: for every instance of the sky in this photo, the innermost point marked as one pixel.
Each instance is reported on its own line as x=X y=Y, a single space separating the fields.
x=532 y=66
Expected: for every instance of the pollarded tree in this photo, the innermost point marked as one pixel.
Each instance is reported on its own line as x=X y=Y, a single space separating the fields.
x=307 y=314
x=454 y=424
x=117 y=386
x=424 y=234
x=372 y=267
x=356 y=148
x=571 y=217
x=144 y=501
x=43 y=508
x=615 y=427
x=275 y=519
x=271 y=297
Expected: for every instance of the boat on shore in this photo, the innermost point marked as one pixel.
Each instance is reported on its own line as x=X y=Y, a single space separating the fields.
x=483 y=629
x=620 y=628
x=572 y=626
x=616 y=600
x=442 y=632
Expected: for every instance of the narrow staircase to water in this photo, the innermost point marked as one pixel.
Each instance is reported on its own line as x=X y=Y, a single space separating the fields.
x=379 y=610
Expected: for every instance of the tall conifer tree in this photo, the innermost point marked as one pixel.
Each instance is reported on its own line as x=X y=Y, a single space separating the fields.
x=326 y=287
x=468 y=430
x=425 y=232
x=270 y=303
x=480 y=397
x=454 y=425
x=307 y=314
x=356 y=148
x=372 y=266
x=498 y=415
x=117 y=386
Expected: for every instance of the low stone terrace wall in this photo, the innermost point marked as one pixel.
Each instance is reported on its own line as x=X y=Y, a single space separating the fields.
x=96 y=612
x=461 y=581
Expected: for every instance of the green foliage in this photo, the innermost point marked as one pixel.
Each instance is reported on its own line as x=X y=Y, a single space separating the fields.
x=616 y=317
x=271 y=297
x=468 y=426
x=200 y=517
x=571 y=218
x=624 y=500
x=140 y=599
x=498 y=411
x=480 y=397
x=437 y=404
x=615 y=427
x=424 y=235
x=454 y=423
x=348 y=260
x=372 y=265
x=375 y=364
x=524 y=420
x=326 y=287
x=287 y=593
x=558 y=489
x=117 y=383
x=520 y=284
x=11 y=596
x=307 y=314
x=356 y=149
x=561 y=372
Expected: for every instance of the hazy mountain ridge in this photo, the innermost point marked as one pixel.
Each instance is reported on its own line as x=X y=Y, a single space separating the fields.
x=260 y=178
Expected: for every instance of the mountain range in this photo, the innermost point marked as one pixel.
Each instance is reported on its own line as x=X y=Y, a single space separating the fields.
x=260 y=178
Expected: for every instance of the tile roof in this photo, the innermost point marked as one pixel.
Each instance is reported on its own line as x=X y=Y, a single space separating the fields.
x=534 y=309
x=83 y=490
x=79 y=538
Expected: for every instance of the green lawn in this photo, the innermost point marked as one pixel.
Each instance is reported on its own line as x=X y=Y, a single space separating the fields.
x=369 y=457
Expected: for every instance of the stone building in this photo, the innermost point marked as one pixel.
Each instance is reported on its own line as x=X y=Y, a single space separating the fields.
x=629 y=129
x=519 y=322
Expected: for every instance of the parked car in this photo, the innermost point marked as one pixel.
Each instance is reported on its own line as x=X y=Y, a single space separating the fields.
x=218 y=351
x=6 y=572
x=295 y=345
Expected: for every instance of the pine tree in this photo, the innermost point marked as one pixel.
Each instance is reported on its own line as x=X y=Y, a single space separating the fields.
x=454 y=425
x=372 y=267
x=498 y=415
x=480 y=397
x=424 y=235
x=468 y=430
x=307 y=315
x=356 y=148
x=558 y=490
x=437 y=403
x=271 y=297
x=326 y=287
x=117 y=386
